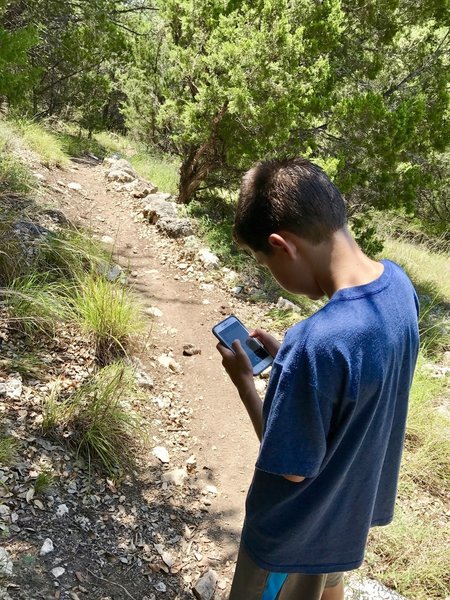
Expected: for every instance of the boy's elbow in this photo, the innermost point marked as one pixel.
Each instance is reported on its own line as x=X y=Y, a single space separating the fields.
x=294 y=478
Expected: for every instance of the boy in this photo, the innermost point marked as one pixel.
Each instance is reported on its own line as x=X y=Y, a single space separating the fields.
x=333 y=420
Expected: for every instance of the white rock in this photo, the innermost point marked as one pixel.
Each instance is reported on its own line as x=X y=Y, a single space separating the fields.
x=209 y=260
x=285 y=304
x=62 y=510
x=107 y=239
x=120 y=176
x=4 y=510
x=205 y=586
x=169 y=363
x=153 y=311
x=260 y=386
x=74 y=186
x=368 y=589
x=47 y=547
x=12 y=387
x=160 y=587
x=167 y=558
x=57 y=572
x=6 y=564
x=161 y=453
x=39 y=176
x=211 y=489
x=176 y=476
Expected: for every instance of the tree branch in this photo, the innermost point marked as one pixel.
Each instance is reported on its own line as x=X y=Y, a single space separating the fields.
x=417 y=71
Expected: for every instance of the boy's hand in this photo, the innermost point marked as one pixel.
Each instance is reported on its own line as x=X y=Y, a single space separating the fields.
x=237 y=364
x=268 y=341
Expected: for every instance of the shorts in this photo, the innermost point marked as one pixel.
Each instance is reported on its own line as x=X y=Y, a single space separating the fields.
x=250 y=582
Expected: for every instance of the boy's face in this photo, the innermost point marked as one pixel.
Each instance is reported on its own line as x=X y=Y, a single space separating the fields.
x=292 y=269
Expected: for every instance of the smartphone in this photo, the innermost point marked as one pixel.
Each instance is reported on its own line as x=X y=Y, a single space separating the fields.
x=231 y=329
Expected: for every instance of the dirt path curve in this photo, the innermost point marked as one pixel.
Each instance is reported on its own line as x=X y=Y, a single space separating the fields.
x=223 y=441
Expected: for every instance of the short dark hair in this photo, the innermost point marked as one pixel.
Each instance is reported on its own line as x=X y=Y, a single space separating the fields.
x=292 y=195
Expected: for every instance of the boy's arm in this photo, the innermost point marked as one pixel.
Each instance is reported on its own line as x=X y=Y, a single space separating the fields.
x=239 y=369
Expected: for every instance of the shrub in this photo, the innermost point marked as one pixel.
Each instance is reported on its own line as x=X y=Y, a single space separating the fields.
x=96 y=419
x=109 y=312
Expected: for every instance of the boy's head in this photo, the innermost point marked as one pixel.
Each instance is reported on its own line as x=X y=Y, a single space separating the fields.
x=287 y=195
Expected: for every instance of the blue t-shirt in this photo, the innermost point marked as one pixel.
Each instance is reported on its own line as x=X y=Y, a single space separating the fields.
x=335 y=413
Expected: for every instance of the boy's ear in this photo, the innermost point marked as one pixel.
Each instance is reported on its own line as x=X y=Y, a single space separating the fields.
x=281 y=242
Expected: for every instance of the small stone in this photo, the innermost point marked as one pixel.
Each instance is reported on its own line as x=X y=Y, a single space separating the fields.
x=285 y=304
x=107 y=239
x=47 y=547
x=260 y=386
x=209 y=260
x=57 y=572
x=12 y=387
x=6 y=564
x=39 y=177
x=176 y=476
x=191 y=350
x=169 y=363
x=205 y=586
x=62 y=510
x=74 y=186
x=153 y=311
x=160 y=587
x=161 y=453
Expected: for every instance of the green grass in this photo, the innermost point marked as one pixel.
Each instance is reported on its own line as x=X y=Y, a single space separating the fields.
x=97 y=419
x=430 y=273
x=44 y=143
x=36 y=305
x=15 y=176
x=44 y=481
x=161 y=171
x=426 y=268
x=408 y=554
x=28 y=364
x=427 y=446
x=8 y=450
x=70 y=254
x=114 y=143
x=109 y=313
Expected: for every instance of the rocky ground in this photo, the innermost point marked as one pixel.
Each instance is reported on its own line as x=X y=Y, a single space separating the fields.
x=174 y=520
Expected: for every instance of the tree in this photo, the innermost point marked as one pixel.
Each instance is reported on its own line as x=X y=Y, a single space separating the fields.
x=360 y=87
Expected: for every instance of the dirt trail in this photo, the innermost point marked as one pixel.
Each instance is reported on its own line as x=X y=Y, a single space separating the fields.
x=223 y=441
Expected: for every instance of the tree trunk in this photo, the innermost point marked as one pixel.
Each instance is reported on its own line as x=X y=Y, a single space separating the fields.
x=199 y=162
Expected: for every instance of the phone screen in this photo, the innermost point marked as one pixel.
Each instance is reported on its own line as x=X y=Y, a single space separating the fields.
x=235 y=331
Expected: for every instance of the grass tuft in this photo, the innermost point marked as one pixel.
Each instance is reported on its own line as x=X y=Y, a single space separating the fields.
x=8 y=450
x=44 y=143
x=36 y=304
x=44 y=481
x=109 y=312
x=97 y=419
x=161 y=171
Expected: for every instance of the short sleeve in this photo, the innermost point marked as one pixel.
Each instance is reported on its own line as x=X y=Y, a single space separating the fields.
x=296 y=420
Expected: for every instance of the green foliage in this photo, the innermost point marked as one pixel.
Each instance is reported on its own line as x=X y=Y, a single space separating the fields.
x=109 y=312
x=160 y=170
x=44 y=481
x=97 y=419
x=362 y=90
x=366 y=234
x=427 y=446
x=8 y=450
x=15 y=176
x=18 y=75
x=37 y=304
x=44 y=143
x=407 y=555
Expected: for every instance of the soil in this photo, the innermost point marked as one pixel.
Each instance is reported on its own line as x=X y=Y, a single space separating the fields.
x=107 y=542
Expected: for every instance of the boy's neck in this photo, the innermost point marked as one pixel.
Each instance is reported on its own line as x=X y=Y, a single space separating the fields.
x=340 y=263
